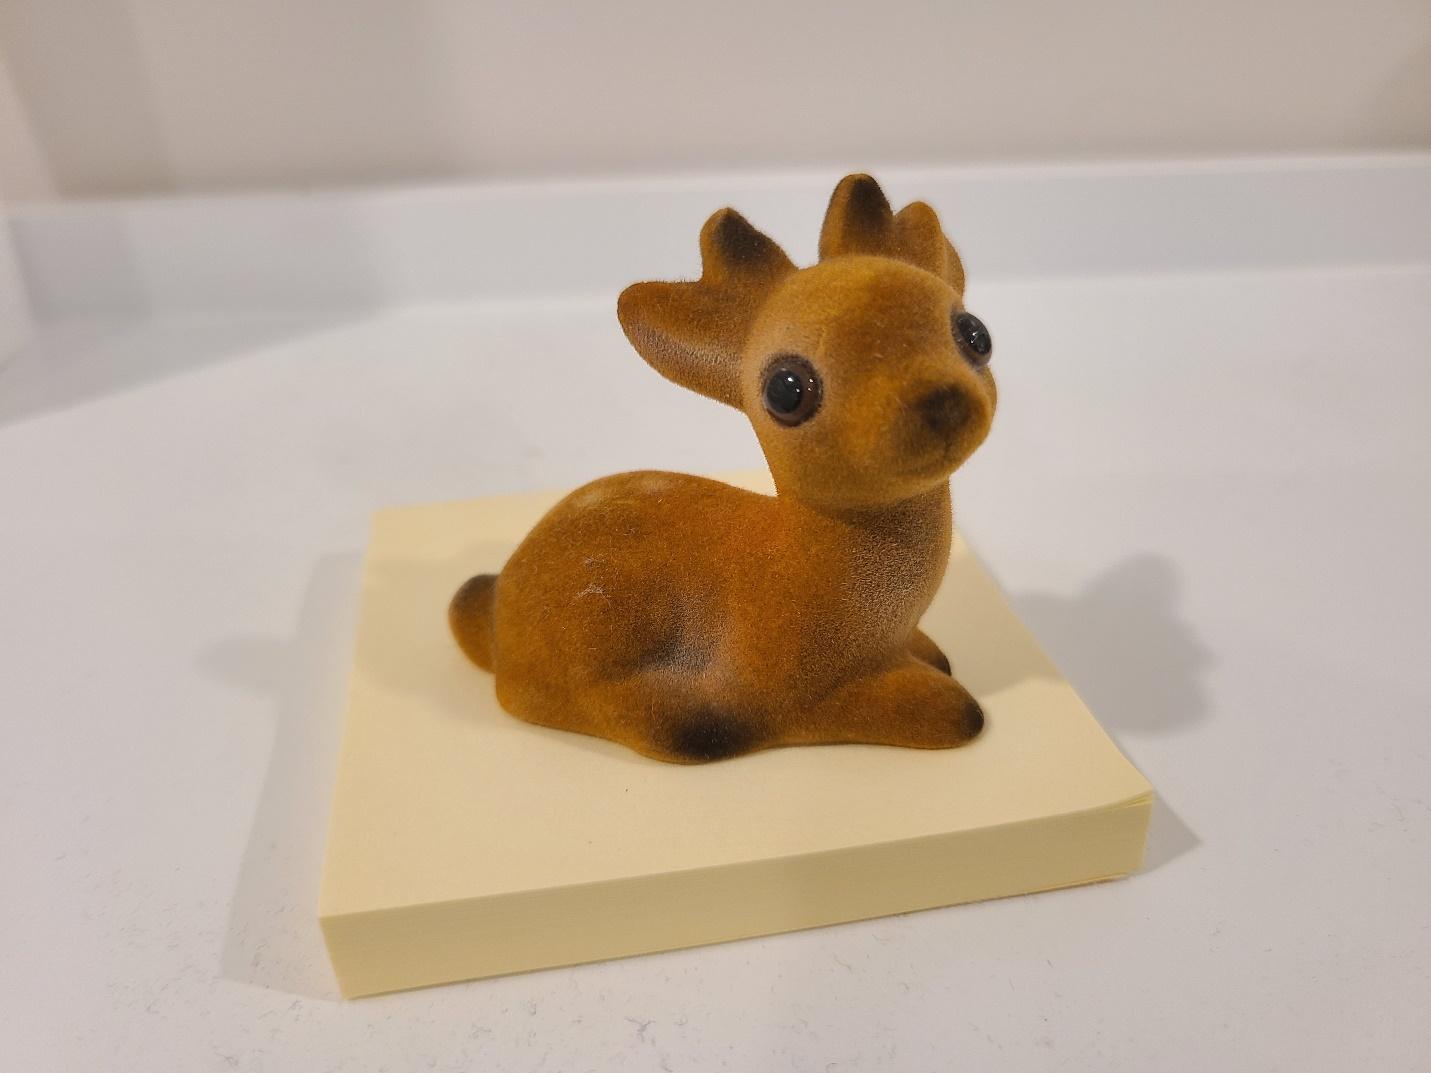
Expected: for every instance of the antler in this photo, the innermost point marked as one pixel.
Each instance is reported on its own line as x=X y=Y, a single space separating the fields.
x=859 y=220
x=692 y=333
x=735 y=255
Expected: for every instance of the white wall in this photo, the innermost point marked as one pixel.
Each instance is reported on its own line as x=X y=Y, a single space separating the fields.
x=137 y=96
x=16 y=322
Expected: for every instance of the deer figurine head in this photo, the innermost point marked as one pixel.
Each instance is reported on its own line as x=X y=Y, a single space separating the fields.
x=694 y=621
x=873 y=340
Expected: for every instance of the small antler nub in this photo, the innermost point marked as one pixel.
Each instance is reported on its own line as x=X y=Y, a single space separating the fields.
x=735 y=253
x=859 y=221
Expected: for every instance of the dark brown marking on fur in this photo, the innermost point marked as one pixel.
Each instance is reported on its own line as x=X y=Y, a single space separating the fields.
x=741 y=244
x=972 y=720
x=709 y=734
x=474 y=594
x=680 y=652
x=944 y=409
x=867 y=208
x=470 y=617
x=940 y=661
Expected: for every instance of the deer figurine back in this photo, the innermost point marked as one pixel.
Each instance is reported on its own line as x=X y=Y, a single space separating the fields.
x=694 y=621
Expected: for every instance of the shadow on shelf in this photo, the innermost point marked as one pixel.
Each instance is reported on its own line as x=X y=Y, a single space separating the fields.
x=273 y=939
x=1168 y=836
x=1136 y=663
x=1122 y=644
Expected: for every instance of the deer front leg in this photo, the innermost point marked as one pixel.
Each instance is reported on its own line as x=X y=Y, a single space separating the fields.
x=660 y=713
x=912 y=704
x=921 y=647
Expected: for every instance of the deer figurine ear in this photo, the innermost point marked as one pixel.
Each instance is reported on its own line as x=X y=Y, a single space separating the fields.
x=859 y=220
x=692 y=333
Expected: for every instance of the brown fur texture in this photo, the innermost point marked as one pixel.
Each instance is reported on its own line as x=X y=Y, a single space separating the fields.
x=693 y=621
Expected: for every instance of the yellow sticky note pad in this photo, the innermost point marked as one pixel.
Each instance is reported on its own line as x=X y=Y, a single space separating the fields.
x=466 y=843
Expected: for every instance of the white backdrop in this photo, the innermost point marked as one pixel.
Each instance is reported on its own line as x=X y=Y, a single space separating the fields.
x=150 y=96
x=15 y=318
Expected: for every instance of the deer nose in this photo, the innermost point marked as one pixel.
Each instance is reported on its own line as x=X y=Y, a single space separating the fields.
x=943 y=410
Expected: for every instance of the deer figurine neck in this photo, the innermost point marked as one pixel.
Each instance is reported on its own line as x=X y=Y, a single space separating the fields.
x=890 y=557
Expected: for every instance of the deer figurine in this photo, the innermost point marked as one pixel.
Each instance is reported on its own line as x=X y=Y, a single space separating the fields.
x=693 y=621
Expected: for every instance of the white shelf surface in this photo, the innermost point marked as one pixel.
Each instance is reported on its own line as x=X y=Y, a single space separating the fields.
x=1206 y=493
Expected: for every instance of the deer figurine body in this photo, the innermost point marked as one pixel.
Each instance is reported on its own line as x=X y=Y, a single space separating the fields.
x=694 y=621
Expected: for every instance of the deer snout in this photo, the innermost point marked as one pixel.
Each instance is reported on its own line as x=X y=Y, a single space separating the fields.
x=943 y=410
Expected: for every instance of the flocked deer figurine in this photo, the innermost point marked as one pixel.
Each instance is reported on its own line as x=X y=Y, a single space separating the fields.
x=691 y=620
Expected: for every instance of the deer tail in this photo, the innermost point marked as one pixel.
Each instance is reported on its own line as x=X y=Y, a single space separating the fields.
x=470 y=616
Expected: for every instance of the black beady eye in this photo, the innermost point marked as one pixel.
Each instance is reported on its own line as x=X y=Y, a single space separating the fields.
x=974 y=339
x=792 y=390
